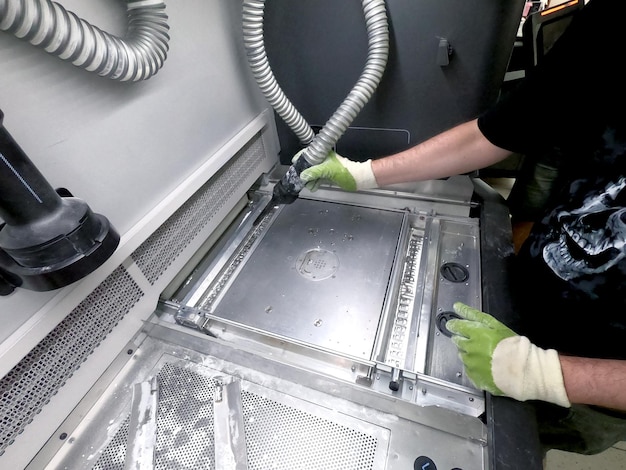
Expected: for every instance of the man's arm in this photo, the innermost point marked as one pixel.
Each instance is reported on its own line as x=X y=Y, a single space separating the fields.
x=461 y=149
x=600 y=382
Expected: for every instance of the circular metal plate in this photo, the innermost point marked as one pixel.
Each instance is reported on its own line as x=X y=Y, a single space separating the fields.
x=317 y=264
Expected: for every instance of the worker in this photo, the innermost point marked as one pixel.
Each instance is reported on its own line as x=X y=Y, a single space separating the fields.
x=569 y=353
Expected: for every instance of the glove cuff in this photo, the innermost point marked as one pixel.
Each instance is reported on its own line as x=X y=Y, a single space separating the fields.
x=526 y=372
x=362 y=173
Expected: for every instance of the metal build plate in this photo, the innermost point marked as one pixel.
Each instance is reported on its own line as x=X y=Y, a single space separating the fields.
x=318 y=276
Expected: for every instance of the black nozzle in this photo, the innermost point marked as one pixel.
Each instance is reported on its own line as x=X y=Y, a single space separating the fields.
x=46 y=241
x=287 y=189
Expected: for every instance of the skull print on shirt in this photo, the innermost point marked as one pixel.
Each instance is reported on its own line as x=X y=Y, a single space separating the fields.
x=592 y=237
x=586 y=233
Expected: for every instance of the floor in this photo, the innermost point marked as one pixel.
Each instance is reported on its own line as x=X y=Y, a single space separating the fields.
x=611 y=459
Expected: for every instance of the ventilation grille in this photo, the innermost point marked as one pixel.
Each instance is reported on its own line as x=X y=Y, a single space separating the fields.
x=283 y=438
x=31 y=383
x=184 y=423
x=159 y=251
x=277 y=436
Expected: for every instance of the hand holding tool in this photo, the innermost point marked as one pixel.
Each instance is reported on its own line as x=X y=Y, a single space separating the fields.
x=346 y=174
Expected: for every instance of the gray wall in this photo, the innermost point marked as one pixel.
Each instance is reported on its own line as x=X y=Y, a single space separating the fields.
x=318 y=48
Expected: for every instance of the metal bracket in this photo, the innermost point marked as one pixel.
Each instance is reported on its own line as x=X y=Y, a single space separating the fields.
x=142 y=430
x=193 y=318
x=230 y=437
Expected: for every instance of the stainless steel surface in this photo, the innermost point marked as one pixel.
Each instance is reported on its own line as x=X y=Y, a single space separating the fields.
x=399 y=336
x=357 y=281
x=287 y=422
x=319 y=276
x=459 y=245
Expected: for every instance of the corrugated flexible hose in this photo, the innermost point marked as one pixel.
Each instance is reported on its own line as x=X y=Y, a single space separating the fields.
x=253 y=11
x=378 y=49
x=49 y=26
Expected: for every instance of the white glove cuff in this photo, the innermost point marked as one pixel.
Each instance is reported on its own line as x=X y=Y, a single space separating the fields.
x=526 y=372
x=362 y=174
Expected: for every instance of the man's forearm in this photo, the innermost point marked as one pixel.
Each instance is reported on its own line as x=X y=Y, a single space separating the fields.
x=599 y=382
x=459 y=150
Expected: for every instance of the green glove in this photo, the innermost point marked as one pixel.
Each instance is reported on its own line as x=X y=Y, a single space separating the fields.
x=498 y=360
x=345 y=173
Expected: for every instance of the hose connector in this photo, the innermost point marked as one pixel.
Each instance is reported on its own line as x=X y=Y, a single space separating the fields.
x=287 y=189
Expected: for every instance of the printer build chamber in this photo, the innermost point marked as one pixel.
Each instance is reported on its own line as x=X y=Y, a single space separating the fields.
x=320 y=331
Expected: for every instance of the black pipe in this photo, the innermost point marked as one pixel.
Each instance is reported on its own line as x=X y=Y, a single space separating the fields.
x=24 y=192
x=47 y=241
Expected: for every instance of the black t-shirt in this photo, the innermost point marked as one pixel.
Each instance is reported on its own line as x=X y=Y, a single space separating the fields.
x=571 y=272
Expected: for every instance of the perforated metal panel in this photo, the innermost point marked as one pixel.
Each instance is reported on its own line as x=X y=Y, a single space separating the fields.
x=27 y=388
x=281 y=432
x=168 y=241
x=113 y=458
x=184 y=420
x=282 y=437
x=184 y=423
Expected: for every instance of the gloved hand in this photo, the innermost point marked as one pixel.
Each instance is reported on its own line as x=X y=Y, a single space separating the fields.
x=345 y=173
x=501 y=362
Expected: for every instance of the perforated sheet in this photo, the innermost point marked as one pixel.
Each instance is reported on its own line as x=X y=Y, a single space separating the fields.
x=281 y=432
x=28 y=387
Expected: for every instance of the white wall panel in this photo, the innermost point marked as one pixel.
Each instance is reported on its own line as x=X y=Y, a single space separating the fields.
x=124 y=147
